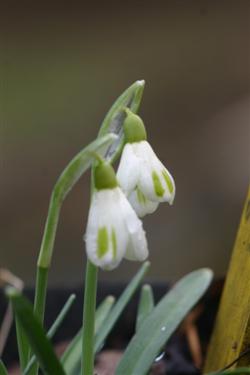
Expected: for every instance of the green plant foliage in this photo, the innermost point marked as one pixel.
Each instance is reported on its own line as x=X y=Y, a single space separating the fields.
x=36 y=336
x=3 y=370
x=71 y=358
x=146 y=305
x=162 y=322
x=53 y=329
x=22 y=344
x=119 y=306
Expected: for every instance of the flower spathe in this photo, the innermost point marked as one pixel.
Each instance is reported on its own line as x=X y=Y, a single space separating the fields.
x=113 y=230
x=144 y=179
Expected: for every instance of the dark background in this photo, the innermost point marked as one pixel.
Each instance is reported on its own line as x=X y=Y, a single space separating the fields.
x=62 y=66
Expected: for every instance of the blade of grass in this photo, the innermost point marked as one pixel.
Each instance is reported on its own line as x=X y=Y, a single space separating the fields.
x=162 y=322
x=119 y=306
x=53 y=329
x=146 y=305
x=71 y=358
x=22 y=344
x=3 y=370
x=33 y=329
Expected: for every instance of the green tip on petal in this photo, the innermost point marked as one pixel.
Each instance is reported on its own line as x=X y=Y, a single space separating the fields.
x=140 y=196
x=114 y=243
x=168 y=181
x=104 y=176
x=102 y=242
x=159 y=190
x=134 y=129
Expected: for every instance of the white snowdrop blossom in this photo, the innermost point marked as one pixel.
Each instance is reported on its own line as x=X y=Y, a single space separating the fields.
x=141 y=175
x=113 y=230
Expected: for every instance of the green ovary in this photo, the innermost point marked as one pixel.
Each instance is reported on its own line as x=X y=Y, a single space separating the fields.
x=168 y=181
x=159 y=190
x=102 y=242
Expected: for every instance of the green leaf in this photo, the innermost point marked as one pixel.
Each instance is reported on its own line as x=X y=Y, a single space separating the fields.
x=3 y=370
x=22 y=344
x=131 y=98
x=105 y=321
x=146 y=305
x=162 y=322
x=71 y=358
x=53 y=329
x=33 y=329
x=119 y=307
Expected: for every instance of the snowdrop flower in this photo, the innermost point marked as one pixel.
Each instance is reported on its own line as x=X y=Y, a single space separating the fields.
x=113 y=230
x=141 y=175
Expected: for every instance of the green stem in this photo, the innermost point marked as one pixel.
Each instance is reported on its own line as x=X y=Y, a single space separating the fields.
x=44 y=260
x=89 y=319
x=40 y=294
x=39 y=303
x=45 y=254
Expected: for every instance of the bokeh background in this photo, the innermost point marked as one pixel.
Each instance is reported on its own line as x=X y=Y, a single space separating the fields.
x=62 y=66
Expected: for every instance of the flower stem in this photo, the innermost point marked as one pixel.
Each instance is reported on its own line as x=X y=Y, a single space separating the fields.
x=89 y=319
x=41 y=288
x=44 y=261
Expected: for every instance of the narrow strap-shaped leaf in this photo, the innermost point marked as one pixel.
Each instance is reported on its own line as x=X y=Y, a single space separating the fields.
x=33 y=329
x=3 y=370
x=22 y=344
x=146 y=304
x=53 y=329
x=119 y=306
x=113 y=121
x=71 y=358
x=162 y=322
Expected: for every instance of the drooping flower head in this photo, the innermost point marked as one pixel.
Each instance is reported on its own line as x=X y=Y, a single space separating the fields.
x=113 y=230
x=141 y=175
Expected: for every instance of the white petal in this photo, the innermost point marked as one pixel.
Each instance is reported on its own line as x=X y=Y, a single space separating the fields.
x=169 y=184
x=105 y=219
x=155 y=181
x=128 y=171
x=137 y=248
x=141 y=204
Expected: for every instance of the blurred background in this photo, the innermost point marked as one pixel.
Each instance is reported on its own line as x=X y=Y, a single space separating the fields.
x=63 y=65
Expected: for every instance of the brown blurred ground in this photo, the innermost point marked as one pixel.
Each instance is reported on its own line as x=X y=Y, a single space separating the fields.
x=64 y=64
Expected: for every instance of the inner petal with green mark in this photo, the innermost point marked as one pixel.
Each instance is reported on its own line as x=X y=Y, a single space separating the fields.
x=114 y=243
x=102 y=242
x=159 y=190
x=140 y=197
x=168 y=181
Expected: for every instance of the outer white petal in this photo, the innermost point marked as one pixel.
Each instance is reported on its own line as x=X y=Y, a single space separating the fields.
x=151 y=168
x=104 y=213
x=128 y=171
x=141 y=204
x=168 y=183
x=137 y=248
